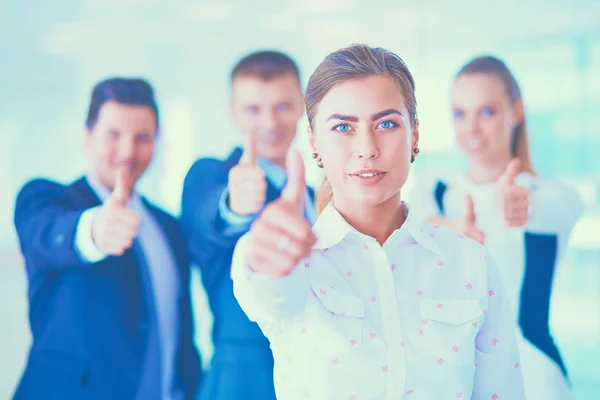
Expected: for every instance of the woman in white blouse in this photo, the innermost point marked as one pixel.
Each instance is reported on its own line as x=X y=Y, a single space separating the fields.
x=523 y=220
x=371 y=303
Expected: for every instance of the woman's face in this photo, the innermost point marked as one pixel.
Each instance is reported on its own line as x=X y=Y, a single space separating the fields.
x=363 y=135
x=484 y=118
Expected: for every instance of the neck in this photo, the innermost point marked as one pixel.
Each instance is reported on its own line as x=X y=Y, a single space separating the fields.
x=378 y=221
x=99 y=181
x=488 y=172
x=279 y=162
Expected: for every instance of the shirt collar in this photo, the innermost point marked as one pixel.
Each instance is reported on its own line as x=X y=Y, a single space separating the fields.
x=135 y=201
x=331 y=228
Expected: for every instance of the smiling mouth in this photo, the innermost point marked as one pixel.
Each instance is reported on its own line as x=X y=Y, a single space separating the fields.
x=474 y=145
x=273 y=139
x=367 y=178
x=368 y=174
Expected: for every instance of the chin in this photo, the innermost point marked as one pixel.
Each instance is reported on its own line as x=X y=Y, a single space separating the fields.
x=371 y=199
x=276 y=153
x=478 y=157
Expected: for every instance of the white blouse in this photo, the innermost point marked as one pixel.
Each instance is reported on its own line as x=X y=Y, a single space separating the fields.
x=422 y=317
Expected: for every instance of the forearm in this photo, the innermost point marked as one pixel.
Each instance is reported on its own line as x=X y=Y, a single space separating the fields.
x=48 y=240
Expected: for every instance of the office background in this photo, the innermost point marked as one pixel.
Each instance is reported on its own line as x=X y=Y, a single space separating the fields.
x=51 y=54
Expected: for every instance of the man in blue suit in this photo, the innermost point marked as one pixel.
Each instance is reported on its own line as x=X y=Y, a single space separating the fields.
x=220 y=201
x=108 y=271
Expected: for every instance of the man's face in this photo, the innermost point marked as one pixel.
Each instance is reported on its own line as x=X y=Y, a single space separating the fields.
x=269 y=110
x=123 y=136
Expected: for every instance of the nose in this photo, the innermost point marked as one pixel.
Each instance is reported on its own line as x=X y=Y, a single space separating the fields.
x=367 y=146
x=268 y=120
x=470 y=125
x=126 y=148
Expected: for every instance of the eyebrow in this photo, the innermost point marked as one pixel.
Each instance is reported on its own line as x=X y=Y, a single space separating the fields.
x=375 y=117
x=342 y=117
x=385 y=113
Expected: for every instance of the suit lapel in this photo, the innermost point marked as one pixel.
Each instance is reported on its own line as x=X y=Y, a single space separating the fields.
x=84 y=195
x=234 y=158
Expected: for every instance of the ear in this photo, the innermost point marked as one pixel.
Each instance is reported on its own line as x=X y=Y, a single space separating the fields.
x=311 y=139
x=518 y=112
x=415 y=136
x=87 y=139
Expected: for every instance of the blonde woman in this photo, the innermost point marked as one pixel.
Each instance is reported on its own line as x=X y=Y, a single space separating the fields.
x=523 y=220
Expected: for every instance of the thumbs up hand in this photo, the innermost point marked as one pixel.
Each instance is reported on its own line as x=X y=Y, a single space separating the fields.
x=468 y=225
x=512 y=198
x=114 y=226
x=281 y=236
x=246 y=182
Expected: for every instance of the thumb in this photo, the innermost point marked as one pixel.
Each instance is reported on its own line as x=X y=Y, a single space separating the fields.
x=295 y=187
x=250 y=151
x=512 y=171
x=470 y=217
x=122 y=189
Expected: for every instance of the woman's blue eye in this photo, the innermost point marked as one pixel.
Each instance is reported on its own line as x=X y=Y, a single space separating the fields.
x=342 y=128
x=487 y=111
x=458 y=114
x=388 y=125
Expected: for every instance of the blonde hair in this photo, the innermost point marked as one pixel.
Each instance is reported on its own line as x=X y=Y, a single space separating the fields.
x=493 y=66
x=355 y=62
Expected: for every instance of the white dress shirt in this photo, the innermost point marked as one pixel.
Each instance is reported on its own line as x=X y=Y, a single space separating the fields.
x=422 y=317
x=164 y=276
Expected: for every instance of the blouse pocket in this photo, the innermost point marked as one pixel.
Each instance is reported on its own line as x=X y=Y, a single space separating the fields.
x=334 y=320
x=449 y=329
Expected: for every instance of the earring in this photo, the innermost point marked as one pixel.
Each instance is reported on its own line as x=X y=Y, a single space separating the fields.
x=412 y=157
x=319 y=162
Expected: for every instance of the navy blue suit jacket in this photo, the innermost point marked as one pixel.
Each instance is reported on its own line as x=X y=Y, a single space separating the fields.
x=88 y=321
x=242 y=357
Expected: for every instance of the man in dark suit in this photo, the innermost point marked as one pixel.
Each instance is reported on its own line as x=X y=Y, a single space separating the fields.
x=108 y=271
x=220 y=201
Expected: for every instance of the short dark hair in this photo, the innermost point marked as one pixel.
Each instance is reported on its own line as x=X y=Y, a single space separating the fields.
x=266 y=65
x=129 y=91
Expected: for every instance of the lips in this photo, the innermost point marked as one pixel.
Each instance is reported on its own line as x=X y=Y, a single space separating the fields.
x=474 y=145
x=273 y=138
x=370 y=173
x=368 y=177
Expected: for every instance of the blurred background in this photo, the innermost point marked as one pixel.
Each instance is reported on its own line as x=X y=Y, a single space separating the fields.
x=51 y=54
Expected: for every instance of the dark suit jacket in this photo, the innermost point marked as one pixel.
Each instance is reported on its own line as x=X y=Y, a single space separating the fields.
x=88 y=321
x=242 y=366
